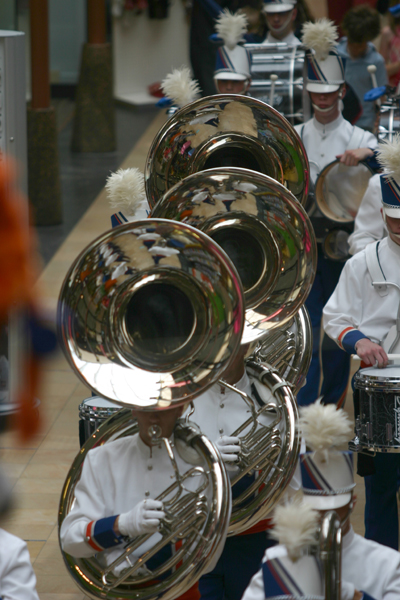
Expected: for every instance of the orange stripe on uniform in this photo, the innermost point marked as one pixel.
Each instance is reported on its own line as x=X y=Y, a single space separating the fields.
x=343 y=334
x=89 y=538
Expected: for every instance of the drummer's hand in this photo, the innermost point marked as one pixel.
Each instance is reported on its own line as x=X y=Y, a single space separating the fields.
x=351 y=158
x=143 y=518
x=370 y=353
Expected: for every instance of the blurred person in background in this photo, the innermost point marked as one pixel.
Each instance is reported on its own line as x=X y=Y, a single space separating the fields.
x=361 y=25
x=390 y=45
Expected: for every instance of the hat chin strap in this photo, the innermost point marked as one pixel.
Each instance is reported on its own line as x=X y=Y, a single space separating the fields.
x=324 y=110
x=282 y=27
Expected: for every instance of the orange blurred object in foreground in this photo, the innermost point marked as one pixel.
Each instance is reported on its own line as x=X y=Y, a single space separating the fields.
x=17 y=276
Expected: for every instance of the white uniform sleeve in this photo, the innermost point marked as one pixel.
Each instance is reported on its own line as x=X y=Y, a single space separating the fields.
x=369 y=140
x=343 y=310
x=18 y=581
x=368 y=225
x=392 y=586
x=88 y=506
x=255 y=589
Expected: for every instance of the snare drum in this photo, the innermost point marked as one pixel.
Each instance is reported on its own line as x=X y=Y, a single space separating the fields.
x=288 y=64
x=92 y=413
x=378 y=424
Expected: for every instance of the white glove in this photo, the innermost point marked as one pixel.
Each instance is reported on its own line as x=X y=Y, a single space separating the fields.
x=347 y=590
x=143 y=518
x=229 y=448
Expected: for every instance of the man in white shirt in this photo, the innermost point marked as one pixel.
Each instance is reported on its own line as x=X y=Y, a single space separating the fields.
x=281 y=17
x=359 y=316
x=327 y=137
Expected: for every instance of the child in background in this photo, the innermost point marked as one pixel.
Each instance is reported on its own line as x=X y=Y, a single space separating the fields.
x=361 y=25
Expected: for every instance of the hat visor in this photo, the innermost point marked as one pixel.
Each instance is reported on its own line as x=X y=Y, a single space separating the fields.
x=231 y=76
x=277 y=8
x=322 y=88
x=326 y=502
x=394 y=213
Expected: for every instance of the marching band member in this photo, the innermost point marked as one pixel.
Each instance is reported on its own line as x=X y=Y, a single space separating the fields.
x=281 y=17
x=326 y=137
x=115 y=496
x=218 y=413
x=369 y=226
x=232 y=67
x=359 y=316
x=370 y=571
x=287 y=571
x=17 y=578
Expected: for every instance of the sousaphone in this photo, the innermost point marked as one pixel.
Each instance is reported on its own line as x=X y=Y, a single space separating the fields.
x=264 y=230
x=150 y=315
x=226 y=131
x=269 y=237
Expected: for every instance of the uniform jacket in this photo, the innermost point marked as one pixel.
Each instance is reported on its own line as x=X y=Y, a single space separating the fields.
x=370 y=567
x=368 y=225
x=17 y=579
x=324 y=142
x=355 y=309
x=115 y=477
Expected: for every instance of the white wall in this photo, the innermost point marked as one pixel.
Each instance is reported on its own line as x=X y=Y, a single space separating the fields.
x=146 y=50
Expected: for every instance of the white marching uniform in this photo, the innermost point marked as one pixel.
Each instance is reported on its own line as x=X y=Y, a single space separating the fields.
x=369 y=567
x=115 y=478
x=368 y=225
x=366 y=566
x=324 y=142
x=17 y=578
x=290 y=39
x=220 y=411
x=356 y=305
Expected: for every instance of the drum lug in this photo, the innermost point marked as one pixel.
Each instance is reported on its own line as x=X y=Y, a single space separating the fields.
x=354 y=444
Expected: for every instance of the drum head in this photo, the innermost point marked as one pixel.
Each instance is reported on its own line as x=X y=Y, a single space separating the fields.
x=99 y=402
x=339 y=190
x=383 y=379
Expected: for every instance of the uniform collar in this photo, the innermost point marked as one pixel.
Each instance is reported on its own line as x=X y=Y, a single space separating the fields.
x=289 y=39
x=329 y=126
x=347 y=539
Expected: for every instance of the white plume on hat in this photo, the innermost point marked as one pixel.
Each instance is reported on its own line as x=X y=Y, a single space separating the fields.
x=296 y=526
x=125 y=190
x=180 y=87
x=231 y=27
x=388 y=155
x=320 y=36
x=323 y=426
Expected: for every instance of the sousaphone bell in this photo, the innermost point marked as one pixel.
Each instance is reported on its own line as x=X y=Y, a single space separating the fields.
x=226 y=131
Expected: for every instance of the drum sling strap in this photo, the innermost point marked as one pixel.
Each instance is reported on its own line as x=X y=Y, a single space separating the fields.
x=375 y=269
x=390 y=341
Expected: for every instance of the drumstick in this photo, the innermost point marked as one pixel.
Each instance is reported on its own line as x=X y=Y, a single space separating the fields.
x=273 y=78
x=390 y=357
x=372 y=70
